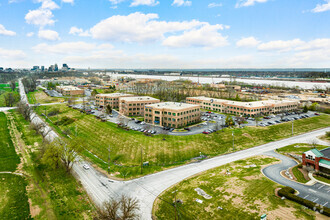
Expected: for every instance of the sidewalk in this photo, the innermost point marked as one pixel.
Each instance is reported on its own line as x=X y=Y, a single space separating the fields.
x=313 y=180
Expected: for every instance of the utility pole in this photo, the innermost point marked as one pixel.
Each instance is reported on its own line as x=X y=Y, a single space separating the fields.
x=109 y=159
x=141 y=159
x=233 y=140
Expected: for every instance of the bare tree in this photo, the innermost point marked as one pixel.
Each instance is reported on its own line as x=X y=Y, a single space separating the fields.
x=313 y=142
x=12 y=85
x=240 y=120
x=110 y=210
x=129 y=206
x=25 y=110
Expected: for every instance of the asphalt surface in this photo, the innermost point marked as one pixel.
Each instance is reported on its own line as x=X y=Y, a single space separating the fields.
x=318 y=193
x=146 y=189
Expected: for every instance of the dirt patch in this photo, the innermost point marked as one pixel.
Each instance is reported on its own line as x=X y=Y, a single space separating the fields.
x=305 y=173
x=238 y=200
x=281 y=213
x=251 y=177
x=34 y=210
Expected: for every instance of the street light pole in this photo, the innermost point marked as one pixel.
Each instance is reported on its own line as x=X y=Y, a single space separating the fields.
x=292 y=128
x=141 y=159
x=109 y=160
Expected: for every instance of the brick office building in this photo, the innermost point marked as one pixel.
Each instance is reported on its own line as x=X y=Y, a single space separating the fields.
x=111 y=99
x=134 y=106
x=319 y=160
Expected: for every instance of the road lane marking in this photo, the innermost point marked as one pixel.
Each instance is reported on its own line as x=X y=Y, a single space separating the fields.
x=316 y=199
x=325 y=204
x=306 y=196
x=320 y=187
x=312 y=190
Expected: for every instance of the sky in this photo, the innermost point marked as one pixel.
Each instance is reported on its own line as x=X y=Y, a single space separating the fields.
x=177 y=34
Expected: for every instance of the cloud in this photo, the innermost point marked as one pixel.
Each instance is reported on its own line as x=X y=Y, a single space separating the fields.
x=48 y=35
x=40 y=17
x=12 y=54
x=68 y=1
x=280 y=45
x=79 y=31
x=181 y=3
x=207 y=36
x=30 y=34
x=4 y=31
x=144 y=2
x=115 y=2
x=213 y=5
x=247 y=42
x=48 y=4
x=138 y=27
x=322 y=8
x=70 y=47
x=246 y=3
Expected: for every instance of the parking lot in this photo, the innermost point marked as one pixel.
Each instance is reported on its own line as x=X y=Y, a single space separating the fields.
x=211 y=122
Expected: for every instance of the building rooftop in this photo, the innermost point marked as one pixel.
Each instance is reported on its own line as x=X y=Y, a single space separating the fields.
x=172 y=105
x=244 y=104
x=326 y=152
x=69 y=88
x=139 y=98
x=114 y=94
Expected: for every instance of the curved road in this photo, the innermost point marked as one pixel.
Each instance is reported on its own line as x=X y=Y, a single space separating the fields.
x=318 y=192
x=147 y=188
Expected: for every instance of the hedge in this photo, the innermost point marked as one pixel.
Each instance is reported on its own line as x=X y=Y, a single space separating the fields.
x=323 y=175
x=288 y=193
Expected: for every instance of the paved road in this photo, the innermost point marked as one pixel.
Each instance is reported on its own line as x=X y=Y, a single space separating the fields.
x=318 y=192
x=147 y=188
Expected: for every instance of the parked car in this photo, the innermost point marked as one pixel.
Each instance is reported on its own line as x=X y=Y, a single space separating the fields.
x=171 y=129
x=86 y=167
x=316 y=113
x=188 y=129
x=206 y=132
x=143 y=123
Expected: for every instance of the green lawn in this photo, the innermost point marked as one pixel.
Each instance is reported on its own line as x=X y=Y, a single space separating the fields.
x=13 y=199
x=54 y=193
x=8 y=156
x=41 y=97
x=321 y=178
x=163 y=151
x=243 y=194
x=299 y=148
x=298 y=174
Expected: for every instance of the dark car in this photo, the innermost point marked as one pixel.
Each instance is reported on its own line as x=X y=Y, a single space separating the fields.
x=316 y=113
x=187 y=129
x=171 y=129
x=206 y=132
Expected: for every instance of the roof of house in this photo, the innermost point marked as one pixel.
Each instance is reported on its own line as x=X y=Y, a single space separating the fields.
x=326 y=152
x=317 y=152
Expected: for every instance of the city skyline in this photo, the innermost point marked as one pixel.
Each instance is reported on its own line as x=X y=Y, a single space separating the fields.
x=165 y=34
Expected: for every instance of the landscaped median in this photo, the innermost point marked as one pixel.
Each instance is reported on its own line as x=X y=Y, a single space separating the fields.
x=163 y=151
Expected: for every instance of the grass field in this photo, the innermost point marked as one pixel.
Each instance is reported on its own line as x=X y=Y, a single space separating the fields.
x=53 y=194
x=323 y=179
x=40 y=97
x=243 y=194
x=8 y=156
x=13 y=199
x=5 y=88
x=162 y=150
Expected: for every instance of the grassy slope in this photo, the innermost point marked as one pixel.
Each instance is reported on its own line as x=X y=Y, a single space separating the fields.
x=174 y=150
x=244 y=194
x=13 y=197
x=40 y=97
x=55 y=192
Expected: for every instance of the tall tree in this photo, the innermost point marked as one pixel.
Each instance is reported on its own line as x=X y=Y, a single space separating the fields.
x=12 y=85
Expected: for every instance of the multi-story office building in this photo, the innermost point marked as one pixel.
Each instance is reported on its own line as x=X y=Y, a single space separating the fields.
x=245 y=108
x=111 y=99
x=134 y=106
x=172 y=114
x=69 y=90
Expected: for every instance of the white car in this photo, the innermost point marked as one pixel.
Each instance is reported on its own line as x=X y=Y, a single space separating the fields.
x=86 y=167
x=142 y=123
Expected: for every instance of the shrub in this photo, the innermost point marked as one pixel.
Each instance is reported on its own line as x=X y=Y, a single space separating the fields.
x=65 y=121
x=288 y=193
x=323 y=175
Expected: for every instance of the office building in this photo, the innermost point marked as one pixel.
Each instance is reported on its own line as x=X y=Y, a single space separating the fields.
x=134 y=106
x=111 y=99
x=69 y=90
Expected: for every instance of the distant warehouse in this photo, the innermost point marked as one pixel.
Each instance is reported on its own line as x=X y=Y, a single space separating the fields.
x=245 y=108
x=69 y=90
x=111 y=99
x=172 y=114
x=134 y=106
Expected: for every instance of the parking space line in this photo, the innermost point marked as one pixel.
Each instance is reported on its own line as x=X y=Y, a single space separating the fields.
x=316 y=199
x=321 y=187
x=325 y=204
x=312 y=190
x=306 y=196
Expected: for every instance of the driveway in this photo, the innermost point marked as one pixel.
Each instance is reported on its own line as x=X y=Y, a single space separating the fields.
x=317 y=193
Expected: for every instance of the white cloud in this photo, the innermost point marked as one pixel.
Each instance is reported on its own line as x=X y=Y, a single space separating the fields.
x=322 y=8
x=79 y=32
x=138 y=27
x=115 y=2
x=207 y=36
x=144 y=2
x=280 y=45
x=11 y=54
x=40 y=17
x=48 y=35
x=68 y=1
x=4 y=31
x=70 y=47
x=247 y=42
x=182 y=3
x=213 y=5
x=246 y=3
x=48 y=4
x=30 y=34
